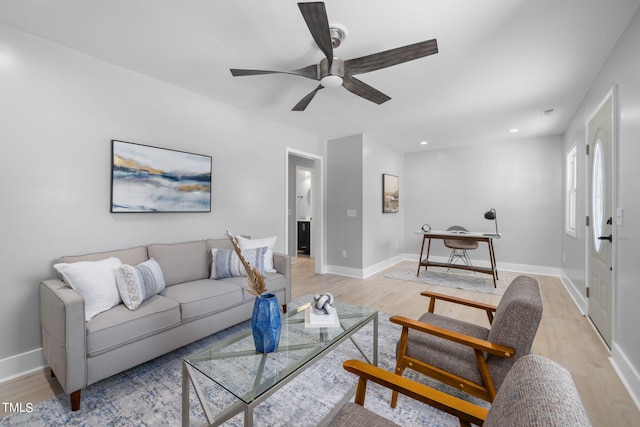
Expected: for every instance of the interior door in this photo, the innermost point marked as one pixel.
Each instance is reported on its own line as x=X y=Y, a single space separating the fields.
x=600 y=231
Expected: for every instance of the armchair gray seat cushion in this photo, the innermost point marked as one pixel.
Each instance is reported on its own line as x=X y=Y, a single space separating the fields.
x=448 y=355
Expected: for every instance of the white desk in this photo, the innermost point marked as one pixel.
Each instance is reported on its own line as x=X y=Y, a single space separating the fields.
x=467 y=235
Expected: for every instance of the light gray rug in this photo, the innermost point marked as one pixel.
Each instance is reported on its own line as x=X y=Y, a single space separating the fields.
x=150 y=394
x=459 y=279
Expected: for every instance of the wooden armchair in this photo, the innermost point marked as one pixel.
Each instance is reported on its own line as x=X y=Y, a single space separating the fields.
x=536 y=392
x=469 y=357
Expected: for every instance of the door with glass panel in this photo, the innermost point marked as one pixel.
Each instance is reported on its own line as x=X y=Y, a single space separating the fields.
x=600 y=139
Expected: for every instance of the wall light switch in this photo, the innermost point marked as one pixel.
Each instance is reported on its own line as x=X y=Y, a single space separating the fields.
x=619 y=216
x=351 y=213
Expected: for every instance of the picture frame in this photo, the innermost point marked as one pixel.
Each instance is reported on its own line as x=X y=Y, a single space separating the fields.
x=153 y=179
x=390 y=193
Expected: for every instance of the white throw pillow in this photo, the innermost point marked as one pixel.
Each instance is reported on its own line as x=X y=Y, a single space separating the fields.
x=269 y=242
x=138 y=283
x=95 y=281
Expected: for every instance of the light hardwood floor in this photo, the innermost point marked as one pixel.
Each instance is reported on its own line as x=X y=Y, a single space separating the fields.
x=564 y=336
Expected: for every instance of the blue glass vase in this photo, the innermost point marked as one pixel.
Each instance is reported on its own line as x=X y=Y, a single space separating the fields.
x=266 y=323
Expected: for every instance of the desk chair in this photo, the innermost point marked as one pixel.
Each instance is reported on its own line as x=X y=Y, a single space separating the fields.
x=536 y=392
x=459 y=248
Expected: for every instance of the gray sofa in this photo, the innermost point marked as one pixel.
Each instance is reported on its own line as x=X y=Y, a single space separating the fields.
x=192 y=306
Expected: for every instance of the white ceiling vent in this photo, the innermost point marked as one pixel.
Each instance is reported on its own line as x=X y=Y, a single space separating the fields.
x=547 y=112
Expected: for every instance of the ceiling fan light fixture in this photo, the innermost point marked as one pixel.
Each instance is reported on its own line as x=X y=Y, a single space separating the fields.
x=331 y=81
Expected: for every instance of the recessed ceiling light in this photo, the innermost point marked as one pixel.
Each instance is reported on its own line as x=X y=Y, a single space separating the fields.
x=514 y=130
x=424 y=142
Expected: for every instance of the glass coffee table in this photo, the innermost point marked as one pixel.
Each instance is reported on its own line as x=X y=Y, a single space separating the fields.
x=251 y=377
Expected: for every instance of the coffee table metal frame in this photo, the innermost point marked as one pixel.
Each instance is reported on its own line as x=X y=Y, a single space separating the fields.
x=189 y=370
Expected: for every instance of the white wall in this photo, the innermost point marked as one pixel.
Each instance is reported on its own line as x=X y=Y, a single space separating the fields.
x=520 y=179
x=622 y=68
x=58 y=112
x=383 y=238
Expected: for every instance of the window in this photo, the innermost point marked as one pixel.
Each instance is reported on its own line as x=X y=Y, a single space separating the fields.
x=598 y=196
x=571 y=191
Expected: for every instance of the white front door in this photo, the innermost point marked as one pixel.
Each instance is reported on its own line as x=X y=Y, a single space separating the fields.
x=600 y=139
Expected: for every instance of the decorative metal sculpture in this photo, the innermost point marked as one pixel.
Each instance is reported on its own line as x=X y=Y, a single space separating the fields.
x=323 y=303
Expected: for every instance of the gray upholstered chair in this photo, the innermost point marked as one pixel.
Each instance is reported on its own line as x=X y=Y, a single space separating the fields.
x=535 y=392
x=467 y=356
x=459 y=248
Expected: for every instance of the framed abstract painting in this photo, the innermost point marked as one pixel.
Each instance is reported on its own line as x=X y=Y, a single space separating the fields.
x=390 y=194
x=152 y=179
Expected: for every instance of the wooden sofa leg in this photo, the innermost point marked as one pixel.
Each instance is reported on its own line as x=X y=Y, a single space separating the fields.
x=53 y=374
x=284 y=308
x=75 y=400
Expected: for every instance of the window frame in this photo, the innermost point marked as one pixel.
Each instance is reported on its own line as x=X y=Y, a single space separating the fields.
x=571 y=191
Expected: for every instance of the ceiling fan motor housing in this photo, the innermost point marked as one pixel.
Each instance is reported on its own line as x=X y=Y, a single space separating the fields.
x=331 y=77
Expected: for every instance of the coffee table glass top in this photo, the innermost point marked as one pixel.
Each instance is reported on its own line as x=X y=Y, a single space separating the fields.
x=234 y=364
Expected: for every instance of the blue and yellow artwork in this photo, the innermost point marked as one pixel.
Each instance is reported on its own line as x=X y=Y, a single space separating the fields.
x=152 y=179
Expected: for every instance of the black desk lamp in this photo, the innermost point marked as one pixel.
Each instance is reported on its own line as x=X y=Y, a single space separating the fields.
x=491 y=215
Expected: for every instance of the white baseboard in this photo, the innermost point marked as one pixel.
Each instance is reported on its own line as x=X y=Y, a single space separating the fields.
x=578 y=298
x=356 y=273
x=627 y=373
x=377 y=268
x=21 y=364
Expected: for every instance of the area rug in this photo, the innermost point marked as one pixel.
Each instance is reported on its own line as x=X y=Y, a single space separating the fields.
x=458 y=279
x=150 y=394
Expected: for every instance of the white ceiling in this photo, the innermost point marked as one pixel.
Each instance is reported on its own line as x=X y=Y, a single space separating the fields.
x=501 y=62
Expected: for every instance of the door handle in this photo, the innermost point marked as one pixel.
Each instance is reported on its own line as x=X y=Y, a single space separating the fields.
x=609 y=238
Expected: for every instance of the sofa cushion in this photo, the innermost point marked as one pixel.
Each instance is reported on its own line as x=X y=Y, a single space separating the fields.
x=219 y=244
x=95 y=281
x=203 y=297
x=137 y=283
x=119 y=326
x=274 y=282
x=127 y=256
x=226 y=263
x=181 y=262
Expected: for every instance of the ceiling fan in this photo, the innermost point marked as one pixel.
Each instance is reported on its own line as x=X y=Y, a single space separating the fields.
x=333 y=71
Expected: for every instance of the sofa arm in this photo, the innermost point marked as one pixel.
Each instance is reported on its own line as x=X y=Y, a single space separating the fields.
x=63 y=333
x=282 y=264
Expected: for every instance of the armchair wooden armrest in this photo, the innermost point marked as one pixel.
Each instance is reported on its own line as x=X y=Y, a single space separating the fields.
x=489 y=308
x=469 y=341
x=467 y=412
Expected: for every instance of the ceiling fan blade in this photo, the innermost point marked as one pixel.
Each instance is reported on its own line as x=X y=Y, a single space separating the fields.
x=315 y=15
x=390 y=57
x=363 y=90
x=310 y=72
x=300 y=106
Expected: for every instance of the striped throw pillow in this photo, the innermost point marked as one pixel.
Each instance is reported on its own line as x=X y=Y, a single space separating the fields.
x=138 y=283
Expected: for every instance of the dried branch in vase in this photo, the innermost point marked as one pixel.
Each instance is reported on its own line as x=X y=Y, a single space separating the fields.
x=256 y=280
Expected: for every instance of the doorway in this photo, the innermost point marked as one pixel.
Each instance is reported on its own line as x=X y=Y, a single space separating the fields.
x=601 y=230
x=304 y=207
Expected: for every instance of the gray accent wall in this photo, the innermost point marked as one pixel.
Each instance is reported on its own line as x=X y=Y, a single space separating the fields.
x=344 y=198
